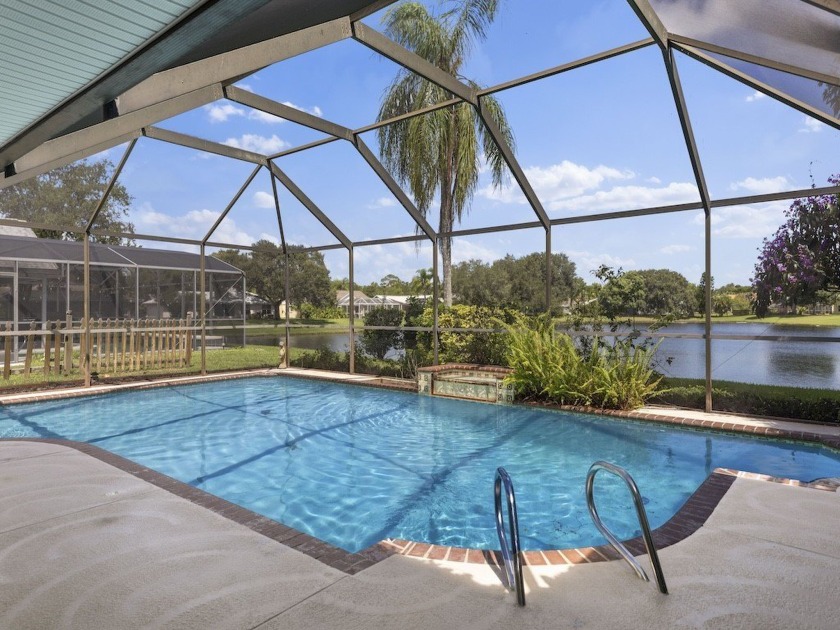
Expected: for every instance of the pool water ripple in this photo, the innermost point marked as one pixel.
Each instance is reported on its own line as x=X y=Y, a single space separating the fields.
x=353 y=465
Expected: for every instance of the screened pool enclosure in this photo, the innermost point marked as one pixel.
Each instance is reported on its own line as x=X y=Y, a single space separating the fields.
x=197 y=57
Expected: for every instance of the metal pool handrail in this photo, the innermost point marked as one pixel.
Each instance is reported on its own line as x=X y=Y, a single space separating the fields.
x=643 y=522
x=512 y=562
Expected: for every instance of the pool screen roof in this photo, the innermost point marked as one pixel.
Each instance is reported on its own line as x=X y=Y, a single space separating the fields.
x=41 y=250
x=79 y=78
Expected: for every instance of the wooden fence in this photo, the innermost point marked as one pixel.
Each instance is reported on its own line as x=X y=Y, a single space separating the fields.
x=115 y=345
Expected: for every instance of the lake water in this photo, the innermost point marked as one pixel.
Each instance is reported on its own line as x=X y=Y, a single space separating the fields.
x=786 y=362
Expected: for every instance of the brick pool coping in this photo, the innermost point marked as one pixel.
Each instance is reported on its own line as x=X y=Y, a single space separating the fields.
x=688 y=519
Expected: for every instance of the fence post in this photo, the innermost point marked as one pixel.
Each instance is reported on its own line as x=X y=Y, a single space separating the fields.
x=57 y=346
x=68 y=343
x=7 y=354
x=188 y=343
x=30 y=341
x=47 y=338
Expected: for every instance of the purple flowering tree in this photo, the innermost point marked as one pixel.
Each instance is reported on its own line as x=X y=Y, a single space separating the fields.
x=802 y=257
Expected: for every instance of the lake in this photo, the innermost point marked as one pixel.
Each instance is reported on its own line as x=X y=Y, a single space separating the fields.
x=786 y=362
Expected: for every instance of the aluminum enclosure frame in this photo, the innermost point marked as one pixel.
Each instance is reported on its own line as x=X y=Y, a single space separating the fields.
x=181 y=89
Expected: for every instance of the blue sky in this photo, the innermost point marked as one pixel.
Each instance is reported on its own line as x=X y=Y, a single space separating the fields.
x=601 y=138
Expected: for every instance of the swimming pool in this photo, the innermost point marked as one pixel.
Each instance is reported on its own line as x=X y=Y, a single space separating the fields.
x=354 y=465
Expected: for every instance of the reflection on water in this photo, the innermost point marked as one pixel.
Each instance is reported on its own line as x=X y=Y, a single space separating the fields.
x=798 y=364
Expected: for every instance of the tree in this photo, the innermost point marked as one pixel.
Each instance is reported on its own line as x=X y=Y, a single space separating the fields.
x=700 y=293
x=514 y=282
x=421 y=283
x=437 y=154
x=622 y=295
x=803 y=256
x=66 y=197
x=309 y=279
x=377 y=343
x=666 y=292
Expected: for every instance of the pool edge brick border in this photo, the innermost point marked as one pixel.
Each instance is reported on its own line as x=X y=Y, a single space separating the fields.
x=688 y=519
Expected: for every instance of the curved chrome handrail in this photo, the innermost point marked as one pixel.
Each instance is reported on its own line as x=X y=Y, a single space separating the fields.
x=512 y=562
x=655 y=566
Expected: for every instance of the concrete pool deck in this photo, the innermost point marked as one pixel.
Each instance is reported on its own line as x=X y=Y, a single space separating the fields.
x=86 y=545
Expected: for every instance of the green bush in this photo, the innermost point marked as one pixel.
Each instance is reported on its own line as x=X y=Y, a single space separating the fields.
x=547 y=366
x=310 y=311
x=377 y=343
x=814 y=405
x=485 y=348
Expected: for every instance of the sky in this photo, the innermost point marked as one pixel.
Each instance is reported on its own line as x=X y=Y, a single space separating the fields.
x=601 y=138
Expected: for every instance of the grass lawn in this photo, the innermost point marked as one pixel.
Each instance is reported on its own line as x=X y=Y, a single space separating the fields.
x=783 y=320
x=264 y=327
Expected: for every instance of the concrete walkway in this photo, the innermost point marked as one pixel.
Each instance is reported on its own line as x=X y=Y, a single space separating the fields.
x=85 y=545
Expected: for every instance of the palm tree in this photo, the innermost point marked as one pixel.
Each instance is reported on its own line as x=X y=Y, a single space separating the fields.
x=437 y=154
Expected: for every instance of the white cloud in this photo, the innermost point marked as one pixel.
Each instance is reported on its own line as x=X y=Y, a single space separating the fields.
x=760 y=186
x=464 y=250
x=371 y=263
x=258 y=144
x=262 y=199
x=191 y=225
x=245 y=86
x=630 y=197
x=675 y=249
x=755 y=221
x=557 y=182
x=755 y=96
x=572 y=187
x=314 y=110
x=221 y=112
x=382 y=202
x=812 y=125
x=264 y=117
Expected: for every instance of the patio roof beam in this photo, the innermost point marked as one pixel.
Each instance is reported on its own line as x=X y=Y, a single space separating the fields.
x=200 y=144
x=309 y=205
x=91 y=140
x=728 y=70
x=580 y=63
x=231 y=204
x=142 y=237
x=407 y=59
x=649 y=18
x=412 y=114
x=754 y=59
x=172 y=92
x=339 y=132
x=513 y=165
x=229 y=67
x=110 y=186
x=832 y=6
x=263 y=104
x=279 y=216
x=415 y=63
x=45 y=167
x=304 y=147
x=697 y=167
x=392 y=185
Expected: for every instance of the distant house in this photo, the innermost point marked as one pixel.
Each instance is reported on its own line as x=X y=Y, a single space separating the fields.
x=362 y=304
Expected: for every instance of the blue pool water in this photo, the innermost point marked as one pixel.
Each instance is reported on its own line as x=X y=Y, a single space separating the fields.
x=353 y=465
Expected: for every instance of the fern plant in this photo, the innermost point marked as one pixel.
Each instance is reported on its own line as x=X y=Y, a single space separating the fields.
x=546 y=365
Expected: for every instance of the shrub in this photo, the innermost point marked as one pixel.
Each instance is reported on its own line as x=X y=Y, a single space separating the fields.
x=310 y=311
x=486 y=348
x=547 y=366
x=377 y=343
x=814 y=405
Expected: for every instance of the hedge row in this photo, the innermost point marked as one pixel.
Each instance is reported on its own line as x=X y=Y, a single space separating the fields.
x=814 y=405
